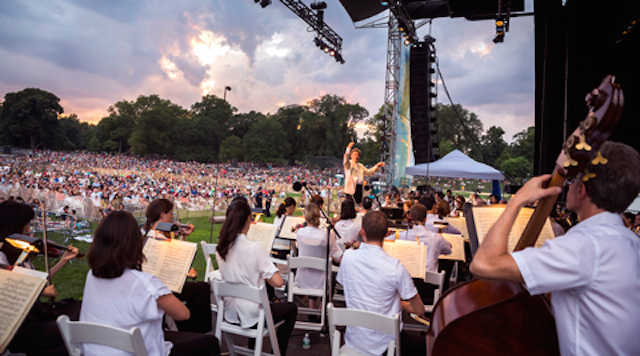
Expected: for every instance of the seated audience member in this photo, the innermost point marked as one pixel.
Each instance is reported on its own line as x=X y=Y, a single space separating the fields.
x=312 y=242
x=376 y=282
x=346 y=227
x=119 y=294
x=41 y=320
x=196 y=295
x=436 y=244
x=246 y=262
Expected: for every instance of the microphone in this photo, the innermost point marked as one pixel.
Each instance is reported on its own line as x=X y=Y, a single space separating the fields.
x=297 y=186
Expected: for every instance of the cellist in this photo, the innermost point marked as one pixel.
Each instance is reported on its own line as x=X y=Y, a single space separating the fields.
x=592 y=272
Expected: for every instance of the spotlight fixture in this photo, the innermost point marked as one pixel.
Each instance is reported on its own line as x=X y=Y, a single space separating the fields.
x=501 y=23
x=384 y=3
x=265 y=3
x=332 y=53
x=318 y=5
x=326 y=50
x=318 y=42
x=407 y=42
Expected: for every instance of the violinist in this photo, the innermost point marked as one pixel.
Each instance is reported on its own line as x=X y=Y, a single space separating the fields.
x=347 y=227
x=195 y=294
x=41 y=319
x=593 y=271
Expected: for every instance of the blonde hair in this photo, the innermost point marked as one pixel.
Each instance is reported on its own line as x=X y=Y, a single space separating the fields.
x=312 y=214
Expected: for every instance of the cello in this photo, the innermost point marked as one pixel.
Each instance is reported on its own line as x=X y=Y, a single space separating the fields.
x=502 y=318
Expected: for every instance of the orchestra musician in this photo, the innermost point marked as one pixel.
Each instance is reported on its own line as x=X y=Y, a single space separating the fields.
x=196 y=295
x=354 y=172
x=119 y=294
x=41 y=319
x=593 y=271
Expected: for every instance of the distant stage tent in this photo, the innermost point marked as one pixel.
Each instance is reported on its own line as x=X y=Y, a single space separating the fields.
x=455 y=165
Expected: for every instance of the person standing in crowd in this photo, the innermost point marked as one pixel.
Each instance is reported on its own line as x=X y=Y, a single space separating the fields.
x=119 y=294
x=596 y=307
x=354 y=172
x=243 y=261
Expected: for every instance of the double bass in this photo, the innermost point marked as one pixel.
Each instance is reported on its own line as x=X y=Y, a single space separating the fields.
x=502 y=318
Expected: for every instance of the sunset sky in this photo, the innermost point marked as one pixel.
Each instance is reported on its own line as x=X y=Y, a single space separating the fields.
x=93 y=53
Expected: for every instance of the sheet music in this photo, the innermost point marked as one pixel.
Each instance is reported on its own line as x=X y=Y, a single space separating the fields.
x=290 y=222
x=457 y=248
x=262 y=233
x=19 y=290
x=412 y=255
x=484 y=218
x=169 y=260
x=460 y=224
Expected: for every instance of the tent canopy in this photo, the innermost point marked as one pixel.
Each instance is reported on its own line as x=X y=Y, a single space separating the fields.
x=455 y=165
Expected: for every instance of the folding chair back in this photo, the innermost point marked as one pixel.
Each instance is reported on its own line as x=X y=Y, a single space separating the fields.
x=209 y=250
x=222 y=290
x=437 y=279
x=365 y=319
x=75 y=333
x=315 y=263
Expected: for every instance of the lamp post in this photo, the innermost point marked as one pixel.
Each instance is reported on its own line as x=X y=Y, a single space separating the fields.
x=227 y=88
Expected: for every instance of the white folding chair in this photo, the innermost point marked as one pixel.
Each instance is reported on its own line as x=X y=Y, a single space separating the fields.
x=436 y=279
x=75 y=333
x=210 y=272
x=315 y=263
x=365 y=319
x=222 y=290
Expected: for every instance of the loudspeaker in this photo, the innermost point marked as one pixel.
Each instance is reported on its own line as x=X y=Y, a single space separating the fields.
x=420 y=85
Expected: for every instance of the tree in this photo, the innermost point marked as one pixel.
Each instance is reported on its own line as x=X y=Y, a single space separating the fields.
x=452 y=131
x=517 y=167
x=232 y=148
x=239 y=124
x=493 y=145
x=72 y=133
x=155 y=126
x=290 y=119
x=264 y=142
x=30 y=118
x=524 y=144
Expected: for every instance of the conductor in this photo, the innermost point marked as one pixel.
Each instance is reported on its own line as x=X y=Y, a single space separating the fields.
x=354 y=172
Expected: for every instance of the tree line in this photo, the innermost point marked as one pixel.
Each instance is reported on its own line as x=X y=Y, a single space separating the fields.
x=212 y=130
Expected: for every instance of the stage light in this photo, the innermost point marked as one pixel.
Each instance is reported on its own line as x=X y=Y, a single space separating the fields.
x=332 y=53
x=317 y=42
x=407 y=42
x=318 y=5
x=384 y=3
x=326 y=50
x=265 y=3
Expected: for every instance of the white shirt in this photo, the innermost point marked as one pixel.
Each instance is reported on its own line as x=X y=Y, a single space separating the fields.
x=349 y=231
x=373 y=281
x=433 y=218
x=247 y=263
x=312 y=242
x=436 y=244
x=594 y=274
x=354 y=172
x=124 y=302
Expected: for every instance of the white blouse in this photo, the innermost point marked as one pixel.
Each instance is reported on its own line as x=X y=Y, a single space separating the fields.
x=312 y=242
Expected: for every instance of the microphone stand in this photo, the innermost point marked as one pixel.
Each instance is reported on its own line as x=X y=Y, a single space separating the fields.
x=327 y=289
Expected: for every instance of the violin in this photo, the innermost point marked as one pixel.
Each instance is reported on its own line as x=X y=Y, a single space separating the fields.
x=53 y=249
x=502 y=318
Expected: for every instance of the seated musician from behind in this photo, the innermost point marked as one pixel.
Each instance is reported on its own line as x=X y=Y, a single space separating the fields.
x=376 y=282
x=436 y=244
x=593 y=271
x=312 y=242
x=347 y=227
x=119 y=294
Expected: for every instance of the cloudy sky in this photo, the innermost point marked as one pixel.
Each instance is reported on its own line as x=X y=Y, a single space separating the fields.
x=93 y=53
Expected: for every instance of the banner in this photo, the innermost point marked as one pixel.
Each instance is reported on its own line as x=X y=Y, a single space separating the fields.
x=404 y=147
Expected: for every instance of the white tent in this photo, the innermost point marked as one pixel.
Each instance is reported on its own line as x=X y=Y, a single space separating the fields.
x=455 y=165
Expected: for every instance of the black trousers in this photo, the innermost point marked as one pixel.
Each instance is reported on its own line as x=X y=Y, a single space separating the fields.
x=282 y=311
x=197 y=296
x=357 y=196
x=192 y=344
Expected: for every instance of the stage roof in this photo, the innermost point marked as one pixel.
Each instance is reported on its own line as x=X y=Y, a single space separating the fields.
x=360 y=10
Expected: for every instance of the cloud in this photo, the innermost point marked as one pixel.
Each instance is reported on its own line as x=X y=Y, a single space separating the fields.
x=93 y=53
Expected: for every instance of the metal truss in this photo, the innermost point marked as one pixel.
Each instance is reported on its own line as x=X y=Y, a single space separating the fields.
x=309 y=16
x=392 y=86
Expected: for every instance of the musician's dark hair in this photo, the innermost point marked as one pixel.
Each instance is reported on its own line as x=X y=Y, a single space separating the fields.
x=418 y=213
x=348 y=208
x=318 y=200
x=15 y=216
x=629 y=215
x=237 y=214
x=155 y=208
x=117 y=245
x=367 y=203
x=285 y=203
x=616 y=183
x=374 y=225
x=427 y=201
x=312 y=214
